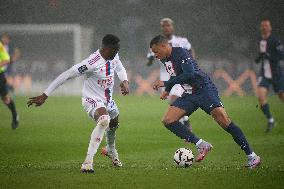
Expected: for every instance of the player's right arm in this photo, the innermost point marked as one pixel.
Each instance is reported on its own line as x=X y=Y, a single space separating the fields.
x=75 y=71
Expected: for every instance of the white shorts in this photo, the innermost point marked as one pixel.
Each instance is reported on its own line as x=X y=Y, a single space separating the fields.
x=90 y=105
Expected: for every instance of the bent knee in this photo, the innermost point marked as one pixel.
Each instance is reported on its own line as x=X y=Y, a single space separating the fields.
x=103 y=121
x=6 y=99
x=168 y=120
x=281 y=96
x=114 y=124
x=222 y=119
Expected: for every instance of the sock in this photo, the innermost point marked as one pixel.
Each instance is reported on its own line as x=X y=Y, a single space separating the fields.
x=110 y=139
x=251 y=155
x=12 y=108
x=266 y=111
x=96 y=138
x=239 y=138
x=182 y=131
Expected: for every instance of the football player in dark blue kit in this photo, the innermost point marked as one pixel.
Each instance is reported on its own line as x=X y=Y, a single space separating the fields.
x=270 y=54
x=184 y=70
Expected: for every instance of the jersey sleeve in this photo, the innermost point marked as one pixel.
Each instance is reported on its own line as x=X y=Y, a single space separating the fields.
x=186 y=44
x=4 y=56
x=85 y=66
x=75 y=71
x=188 y=72
x=120 y=70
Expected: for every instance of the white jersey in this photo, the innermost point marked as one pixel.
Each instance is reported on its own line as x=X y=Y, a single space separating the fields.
x=99 y=76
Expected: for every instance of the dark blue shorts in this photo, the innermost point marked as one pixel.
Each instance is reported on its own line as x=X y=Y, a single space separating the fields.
x=206 y=98
x=278 y=85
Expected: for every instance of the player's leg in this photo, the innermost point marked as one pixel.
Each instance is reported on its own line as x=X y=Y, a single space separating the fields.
x=98 y=112
x=221 y=117
x=183 y=106
x=280 y=88
x=262 y=99
x=175 y=93
x=110 y=149
x=171 y=122
x=8 y=101
x=281 y=96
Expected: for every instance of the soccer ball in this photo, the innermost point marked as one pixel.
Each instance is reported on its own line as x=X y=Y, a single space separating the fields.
x=183 y=157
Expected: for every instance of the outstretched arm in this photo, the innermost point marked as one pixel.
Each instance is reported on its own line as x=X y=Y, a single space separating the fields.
x=39 y=100
x=75 y=71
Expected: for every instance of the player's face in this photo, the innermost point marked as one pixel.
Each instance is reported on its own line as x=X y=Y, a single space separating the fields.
x=5 y=39
x=167 y=29
x=265 y=27
x=160 y=50
x=112 y=52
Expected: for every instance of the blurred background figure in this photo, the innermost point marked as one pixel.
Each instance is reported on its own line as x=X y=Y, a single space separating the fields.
x=4 y=61
x=15 y=55
x=270 y=54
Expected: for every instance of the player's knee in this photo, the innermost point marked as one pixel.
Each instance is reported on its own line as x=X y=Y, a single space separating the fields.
x=168 y=120
x=103 y=121
x=281 y=96
x=114 y=124
x=6 y=99
x=222 y=119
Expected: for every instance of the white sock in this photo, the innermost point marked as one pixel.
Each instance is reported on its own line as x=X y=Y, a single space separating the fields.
x=183 y=119
x=96 y=137
x=252 y=155
x=199 y=142
x=271 y=120
x=110 y=139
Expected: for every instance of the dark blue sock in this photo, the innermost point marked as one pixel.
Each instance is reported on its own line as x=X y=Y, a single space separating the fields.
x=266 y=111
x=239 y=138
x=182 y=131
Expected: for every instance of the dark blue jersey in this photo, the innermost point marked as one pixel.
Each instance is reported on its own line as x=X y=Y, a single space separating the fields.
x=270 y=53
x=184 y=70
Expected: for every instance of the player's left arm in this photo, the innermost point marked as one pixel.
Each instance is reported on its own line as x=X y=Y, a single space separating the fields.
x=187 y=75
x=122 y=75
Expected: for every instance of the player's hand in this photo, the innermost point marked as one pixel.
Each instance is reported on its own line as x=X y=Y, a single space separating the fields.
x=38 y=100
x=158 y=84
x=124 y=87
x=164 y=95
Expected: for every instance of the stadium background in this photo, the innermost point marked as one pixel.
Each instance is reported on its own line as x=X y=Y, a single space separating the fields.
x=223 y=34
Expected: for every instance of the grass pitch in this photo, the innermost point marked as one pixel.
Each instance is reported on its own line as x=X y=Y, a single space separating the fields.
x=47 y=150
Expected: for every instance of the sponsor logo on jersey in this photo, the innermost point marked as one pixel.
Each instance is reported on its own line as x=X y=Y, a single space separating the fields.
x=94 y=60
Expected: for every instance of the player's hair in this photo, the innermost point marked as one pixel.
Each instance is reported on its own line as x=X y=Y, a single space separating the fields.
x=158 y=39
x=110 y=41
x=265 y=20
x=166 y=20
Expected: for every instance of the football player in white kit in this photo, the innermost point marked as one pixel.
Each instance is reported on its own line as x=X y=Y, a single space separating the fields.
x=97 y=100
x=177 y=91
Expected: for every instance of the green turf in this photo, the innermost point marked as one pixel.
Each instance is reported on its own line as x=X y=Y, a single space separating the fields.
x=48 y=148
